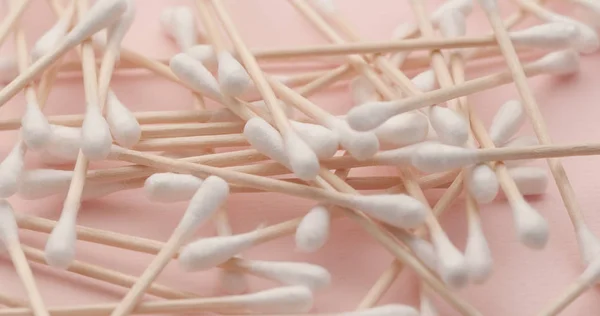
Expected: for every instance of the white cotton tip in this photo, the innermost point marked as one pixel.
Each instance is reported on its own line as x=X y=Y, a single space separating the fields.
x=396 y=157
x=303 y=161
x=35 y=128
x=426 y=307
x=452 y=265
x=9 y=232
x=362 y=90
x=587 y=41
x=8 y=68
x=283 y=300
x=206 y=201
x=233 y=282
x=233 y=78
x=403 y=129
x=452 y=23
x=360 y=145
x=95 y=135
x=450 y=126
x=325 y=6
x=101 y=15
x=421 y=248
x=64 y=143
x=123 y=125
x=51 y=38
x=266 y=139
x=171 y=187
x=11 y=169
x=385 y=310
x=507 y=122
x=425 y=81
x=530 y=180
x=60 y=247
x=116 y=32
x=205 y=54
x=179 y=23
x=532 y=228
x=195 y=75
x=483 y=184
x=368 y=116
x=556 y=35
x=289 y=110
x=323 y=141
x=39 y=183
x=210 y=252
x=477 y=254
x=311 y=276
x=565 y=62
x=398 y=210
x=589 y=244
x=432 y=157
x=313 y=231
x=465 y=7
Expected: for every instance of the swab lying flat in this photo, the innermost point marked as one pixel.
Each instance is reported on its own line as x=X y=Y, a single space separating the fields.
x=209 y=197
x=124 y=128
x=507 y=121
x=313 y=231
x=9 y=236
x=371 y=115
x=54 y=35
x=477 y=252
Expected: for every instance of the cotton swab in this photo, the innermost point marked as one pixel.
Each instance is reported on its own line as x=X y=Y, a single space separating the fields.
x=180 y=24
x=211 y=194
x=483 y=184
x=100 y=16
x=290 y=299
x=385 y=310
x=507 y=121
x=371 y=115
x=584 y=281
x=322 y=141
x=286 y=273
x=9 y=236
x=312 y=232
x=587 y=40
x=205 y=54
x=529 y=180
x=533 y=111
x=14 y=14
x=124 y=128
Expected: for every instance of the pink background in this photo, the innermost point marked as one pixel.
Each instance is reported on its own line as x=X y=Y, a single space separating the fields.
x=523 y=281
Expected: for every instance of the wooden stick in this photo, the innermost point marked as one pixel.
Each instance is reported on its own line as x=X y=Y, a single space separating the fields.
x=107 y=275
x=539 y=126
x=26 y=276
x=9 y=22
x=12 y=302
x=208 y=141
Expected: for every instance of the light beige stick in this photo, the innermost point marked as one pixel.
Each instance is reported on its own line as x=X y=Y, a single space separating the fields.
x=108 y=275
x=208 y=141
x=539 y=126
x=12 y=302
x=17 y=9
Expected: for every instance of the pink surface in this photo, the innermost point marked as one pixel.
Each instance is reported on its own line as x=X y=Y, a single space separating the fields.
x=523 y=281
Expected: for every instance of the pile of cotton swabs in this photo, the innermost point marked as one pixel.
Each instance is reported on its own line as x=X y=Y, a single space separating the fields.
x=424 y=126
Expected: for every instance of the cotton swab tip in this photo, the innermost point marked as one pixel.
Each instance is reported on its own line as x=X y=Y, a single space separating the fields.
x=195 y=75
x=210 y=252
x=233 y=78
x=122 y=123
x=101 y=15
x=9 y=232
x=205 y=54
x=434 y=157
x=35 y=128
x=555 y=35
x=291 y=299
x=589 y=244
x=11 y=169
x=95 y=134
x=398 y=210
x=303 y=160
x=60 y=247
x=565 y=62
x=403 y=129
x=171 y=187
x=507 y=121
x=450 y=126
x=368 y=116
x=361 y=145
x=311 y=276
x=532 y=228
x=322 y=141
x=483 y=184
x=313 y=230
x=478 y=255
